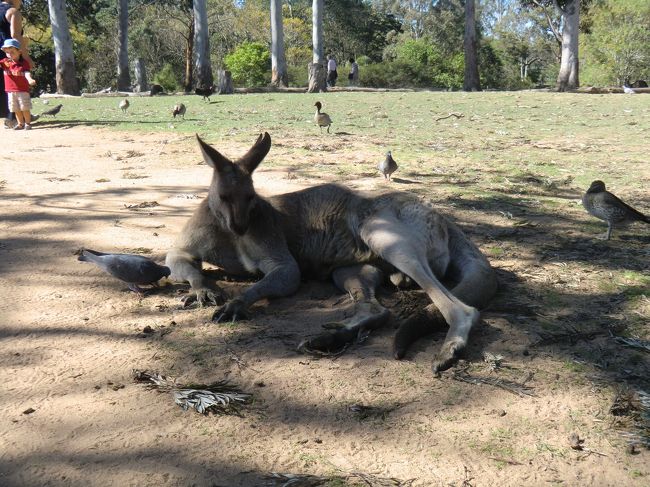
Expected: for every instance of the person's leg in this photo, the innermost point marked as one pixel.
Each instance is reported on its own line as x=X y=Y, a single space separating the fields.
x=20 y=118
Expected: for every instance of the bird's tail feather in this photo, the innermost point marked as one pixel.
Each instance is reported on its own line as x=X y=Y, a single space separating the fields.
x=87 y=255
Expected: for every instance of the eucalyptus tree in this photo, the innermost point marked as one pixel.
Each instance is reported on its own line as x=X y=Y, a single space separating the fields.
x=279 y=75
x=123 y=76
x=317 y=72
x=567 y=36
x=204 y=78
x=471 y=81
x=66 y=74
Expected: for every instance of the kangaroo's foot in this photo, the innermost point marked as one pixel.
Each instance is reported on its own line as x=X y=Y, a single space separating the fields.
x=204 y=296
x=369 y=316
x=455 y=341
x=233 y=310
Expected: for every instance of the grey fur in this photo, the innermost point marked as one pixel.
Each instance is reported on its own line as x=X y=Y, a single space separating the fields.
x=329 y=231
x=132 y=269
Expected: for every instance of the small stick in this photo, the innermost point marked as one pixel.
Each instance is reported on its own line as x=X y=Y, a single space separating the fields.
x=457 y=115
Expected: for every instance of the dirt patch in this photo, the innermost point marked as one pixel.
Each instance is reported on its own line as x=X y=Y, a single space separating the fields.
x=70 y=413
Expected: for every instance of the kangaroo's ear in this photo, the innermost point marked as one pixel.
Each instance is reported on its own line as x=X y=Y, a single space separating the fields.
x=213 y=157
x=255 y=154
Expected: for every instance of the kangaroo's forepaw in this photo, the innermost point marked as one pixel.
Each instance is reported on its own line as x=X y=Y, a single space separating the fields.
x=448 y=355
x=233 y=310
x=330 y=343
x=204 y=297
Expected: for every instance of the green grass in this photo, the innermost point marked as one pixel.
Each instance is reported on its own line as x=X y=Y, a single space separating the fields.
x=500 y=136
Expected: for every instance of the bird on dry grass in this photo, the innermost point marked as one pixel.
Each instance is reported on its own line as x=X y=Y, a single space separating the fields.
x=124 y=105
x=388 y=166
x=52 y=111
x=604 y=205
x=179 y=110
x=132 y=269
x=322 y=119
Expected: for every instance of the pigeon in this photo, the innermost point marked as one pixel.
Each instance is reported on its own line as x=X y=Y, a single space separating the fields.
x=205 y=92
x=132 y=269
x=604 y=205
x=388 y=166
x=179 y=109
x=124 y=105
x=628 y=90
x=322 y=119
x=52 y=111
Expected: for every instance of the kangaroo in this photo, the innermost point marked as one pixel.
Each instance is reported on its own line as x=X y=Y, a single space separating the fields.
x=330 y=231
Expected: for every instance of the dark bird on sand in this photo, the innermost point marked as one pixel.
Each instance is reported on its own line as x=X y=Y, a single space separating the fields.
x=206 y=93
x=388 y=166
x=604 y=205
x=52 y=111
x=132 y=269
x=179 y=110
x=322 y=119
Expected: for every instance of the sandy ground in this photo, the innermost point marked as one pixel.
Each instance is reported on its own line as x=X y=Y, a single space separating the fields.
x=70 y=336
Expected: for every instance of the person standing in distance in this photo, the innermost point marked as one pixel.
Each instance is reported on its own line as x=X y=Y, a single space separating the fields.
x=331 y=71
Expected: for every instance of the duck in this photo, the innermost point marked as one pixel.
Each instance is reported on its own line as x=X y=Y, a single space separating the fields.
x=322 y=119
x=179 y=109
x=388 y=166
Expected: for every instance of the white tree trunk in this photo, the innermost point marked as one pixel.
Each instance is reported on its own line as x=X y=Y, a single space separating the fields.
x=279 y=75
x=472 y=81
x=66 y=73
x=317 y=71
x=204 y=78
x=568 y=77
x=123 y=76
x=140 y=72
x=317 y=31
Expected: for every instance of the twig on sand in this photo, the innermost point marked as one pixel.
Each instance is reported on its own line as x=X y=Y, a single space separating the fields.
x=217 y=397
x=508 y=385
x=457 y=115
x=358 y=478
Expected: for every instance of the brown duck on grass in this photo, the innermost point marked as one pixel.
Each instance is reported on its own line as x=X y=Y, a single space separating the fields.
x=322 y=119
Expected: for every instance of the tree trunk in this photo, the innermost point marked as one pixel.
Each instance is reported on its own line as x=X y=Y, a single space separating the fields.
x=279 y=76
x=317 y=71
x=568 y=77
x=189 y=50
x=317 y=78
x=225 y=83
x=123 y=76
x=472 y=81
x=66 y=73
x=204 y=77
x=140 y=72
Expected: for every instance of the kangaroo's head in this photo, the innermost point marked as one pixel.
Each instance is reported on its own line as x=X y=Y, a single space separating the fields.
x=232 y=196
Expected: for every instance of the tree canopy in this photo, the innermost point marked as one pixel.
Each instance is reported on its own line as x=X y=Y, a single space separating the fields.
x=396 y=43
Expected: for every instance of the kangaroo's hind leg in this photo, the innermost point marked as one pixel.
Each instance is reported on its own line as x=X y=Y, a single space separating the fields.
x=413 y=247
x=360 y=282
